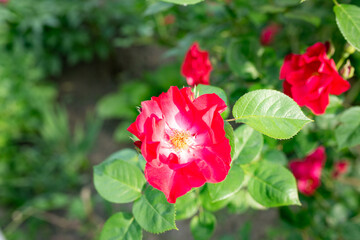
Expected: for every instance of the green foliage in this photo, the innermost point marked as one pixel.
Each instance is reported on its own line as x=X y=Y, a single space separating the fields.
x=72 y=30
x=118 y=181
x=248 y=144
x=229 y=134
x=183 y=2
x=186 y=206
x=121 y=226
x=240 y=57
x=203 y=225
x=153 y=212
x=228 y=187
x=271 y=113
x=348 y=20
x=348 y=132
x=272 y=185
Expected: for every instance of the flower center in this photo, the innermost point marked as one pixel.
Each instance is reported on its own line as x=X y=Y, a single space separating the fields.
x=180 y=140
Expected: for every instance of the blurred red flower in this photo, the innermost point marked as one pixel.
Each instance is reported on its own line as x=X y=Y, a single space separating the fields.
x=308 y=171
x=311 y=77
x=183 y=141
x=340 y=168
x=4 y=1
x=196 y=67
x=169 y=19
x=268 y=34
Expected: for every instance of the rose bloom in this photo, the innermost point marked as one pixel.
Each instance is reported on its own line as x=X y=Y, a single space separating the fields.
x=268 y=34
x=311 y=77
x=340 y=168
x=308 y=171
x=183 y=141
x=196 y=67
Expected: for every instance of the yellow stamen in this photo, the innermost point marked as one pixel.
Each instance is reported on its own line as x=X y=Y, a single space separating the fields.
x=180 y=140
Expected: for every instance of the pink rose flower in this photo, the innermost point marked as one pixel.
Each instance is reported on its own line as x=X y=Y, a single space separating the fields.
x=183 y=141
x=340 y=168
x=268 y=34
x=311 y=77
x=308 y=171
x=196 y=67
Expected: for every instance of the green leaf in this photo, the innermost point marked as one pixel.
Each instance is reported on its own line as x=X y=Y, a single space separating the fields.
x=229 y=134
x=348 y=21
x=186 y=206
x=153 y=212
x=248 y=144
x=118 y=181
x=272 y=185
x=121 y=226
x=157 y=7
x=271 y=113
x=183 y=2
x=208 y=89
x=203 y=226
x=348 y=132
x=238 y=57
x=207 y=202
x=275 y=156
x=228 y=187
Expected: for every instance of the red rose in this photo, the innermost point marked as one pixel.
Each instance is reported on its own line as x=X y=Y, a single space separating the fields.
x=340 y=168
x=183 y=141
x=196 y=66
x=268 y=34
x=311 y=77
x=308 y=171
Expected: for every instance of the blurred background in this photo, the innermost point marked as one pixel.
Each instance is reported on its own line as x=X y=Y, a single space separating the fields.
x=73 y=72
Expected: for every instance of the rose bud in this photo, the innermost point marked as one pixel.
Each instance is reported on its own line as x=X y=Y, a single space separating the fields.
x=196 y=67
x=268 y=34
x=340 y=168
x=347 y=71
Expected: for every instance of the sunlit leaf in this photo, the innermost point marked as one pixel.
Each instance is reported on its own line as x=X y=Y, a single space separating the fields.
x=271 y=113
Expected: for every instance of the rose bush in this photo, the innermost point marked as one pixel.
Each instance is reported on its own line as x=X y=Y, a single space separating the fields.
x=183 y=141
x=309 y=78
